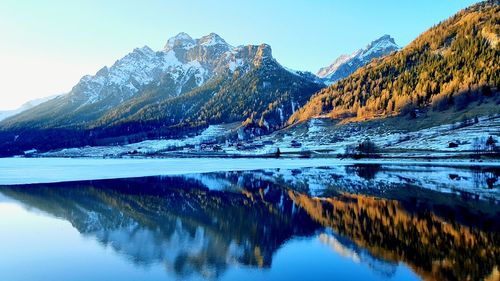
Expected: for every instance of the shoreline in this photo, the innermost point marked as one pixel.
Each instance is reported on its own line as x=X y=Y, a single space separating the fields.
x=19 y=171
x=418 y=156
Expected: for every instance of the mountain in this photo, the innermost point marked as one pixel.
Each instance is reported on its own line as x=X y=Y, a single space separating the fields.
x=181 y=66
x=252 y=84
x=189 y=84
x=27 y=105
x=345 y=65
x=453 y=65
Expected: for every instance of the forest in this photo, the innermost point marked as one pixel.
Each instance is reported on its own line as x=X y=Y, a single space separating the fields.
x=453 y=64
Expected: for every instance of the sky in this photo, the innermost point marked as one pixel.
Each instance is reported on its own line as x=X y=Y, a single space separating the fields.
x=48 y=45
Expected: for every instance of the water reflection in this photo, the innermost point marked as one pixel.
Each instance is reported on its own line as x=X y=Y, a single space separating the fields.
x=349 y=249
x=175 y=220
x=203 y=225
x=365 y=171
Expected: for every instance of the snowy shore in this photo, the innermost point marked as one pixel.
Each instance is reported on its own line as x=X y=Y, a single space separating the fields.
x=46 y=170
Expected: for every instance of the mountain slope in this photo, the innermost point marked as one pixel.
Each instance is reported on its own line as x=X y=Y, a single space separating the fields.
x=174 y=70
x=453 y=64
x=189 y=84
x=249 y=89
x=144 y=78
x=345 y=65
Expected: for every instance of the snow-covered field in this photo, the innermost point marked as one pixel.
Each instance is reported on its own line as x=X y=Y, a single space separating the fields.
x=438 y=138
x=144 y=147
x=319 y=134
x=45 y=170
x=316 y=135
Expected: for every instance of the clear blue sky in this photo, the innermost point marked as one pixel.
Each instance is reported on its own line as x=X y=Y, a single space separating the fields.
x=48 y=45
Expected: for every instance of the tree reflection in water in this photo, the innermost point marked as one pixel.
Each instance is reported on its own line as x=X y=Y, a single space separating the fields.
x=203 y=224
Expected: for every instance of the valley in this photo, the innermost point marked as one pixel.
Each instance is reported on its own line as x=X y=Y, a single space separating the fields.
x=250 y=140
x=436 y=98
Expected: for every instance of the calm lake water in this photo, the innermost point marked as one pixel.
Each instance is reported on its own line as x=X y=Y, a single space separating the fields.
x=352 y=222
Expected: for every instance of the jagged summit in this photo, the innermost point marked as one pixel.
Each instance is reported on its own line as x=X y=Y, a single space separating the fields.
x=184 y=60
x=380 y=47
x=186 y=42
x=182 y=40
x=211 y=40
x=384 y=39
x=141 y=81
x=345 y=65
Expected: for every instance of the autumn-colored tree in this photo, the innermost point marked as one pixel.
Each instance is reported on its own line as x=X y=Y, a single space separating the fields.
x=446 y=65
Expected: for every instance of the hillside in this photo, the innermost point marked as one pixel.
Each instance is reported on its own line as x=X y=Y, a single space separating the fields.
x=145 y=78
x=267 y=92
x=181 y=89
x=452 y=65
x=449 y=74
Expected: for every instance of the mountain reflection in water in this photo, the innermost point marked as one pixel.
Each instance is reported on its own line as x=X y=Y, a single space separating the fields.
x=443 y=228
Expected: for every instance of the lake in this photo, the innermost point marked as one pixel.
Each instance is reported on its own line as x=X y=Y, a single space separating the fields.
x=344 y=222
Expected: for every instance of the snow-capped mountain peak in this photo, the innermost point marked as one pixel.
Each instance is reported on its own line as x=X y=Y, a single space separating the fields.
x=184 y=63
x=191 y=81
x=181 y=40
x=383 y=45
x=134 y=71
x=345 y=65
x=211 y=40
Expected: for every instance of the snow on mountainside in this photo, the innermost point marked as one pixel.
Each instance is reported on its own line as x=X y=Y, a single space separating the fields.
x=182 y=60
x=347 y=64
x=27 y=105
x=186 y=86
x=138 y=69
x=147 y=77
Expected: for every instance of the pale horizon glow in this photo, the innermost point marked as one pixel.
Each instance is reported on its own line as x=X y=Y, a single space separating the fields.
x=47 y=46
